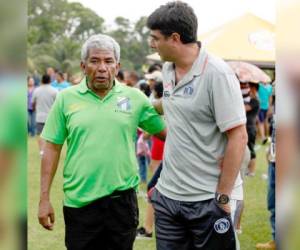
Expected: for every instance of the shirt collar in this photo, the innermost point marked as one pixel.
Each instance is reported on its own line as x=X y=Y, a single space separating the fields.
x=197 y=69
x=199 y=64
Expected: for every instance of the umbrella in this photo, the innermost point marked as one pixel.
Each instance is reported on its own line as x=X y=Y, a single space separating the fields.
x=247 y=72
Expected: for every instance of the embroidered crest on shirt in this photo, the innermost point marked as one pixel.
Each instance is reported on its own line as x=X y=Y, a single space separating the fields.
x=123 y=104
x=188 y=90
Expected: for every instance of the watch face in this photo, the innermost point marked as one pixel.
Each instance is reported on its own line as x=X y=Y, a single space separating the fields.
x=223 y=199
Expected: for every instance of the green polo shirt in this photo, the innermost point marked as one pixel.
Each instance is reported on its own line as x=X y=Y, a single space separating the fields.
x=100 y=135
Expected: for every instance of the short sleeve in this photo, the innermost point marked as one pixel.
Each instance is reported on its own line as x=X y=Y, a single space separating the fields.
x=55 y=130
x=149 y=119
x=227 y=102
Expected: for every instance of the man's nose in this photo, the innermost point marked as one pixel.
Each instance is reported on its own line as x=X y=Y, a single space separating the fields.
x=102 y=67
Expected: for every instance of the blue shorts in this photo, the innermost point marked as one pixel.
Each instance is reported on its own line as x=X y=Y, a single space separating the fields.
x=262 y=115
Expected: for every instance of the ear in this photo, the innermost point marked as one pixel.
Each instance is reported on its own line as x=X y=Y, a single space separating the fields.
x=175 y=37
x=118 y=66
x=82 y=66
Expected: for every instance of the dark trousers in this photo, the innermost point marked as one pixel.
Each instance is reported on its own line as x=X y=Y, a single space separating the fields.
x=251 y=131
x=108 y=223
x=31 y=122
x=271 y=196
x=199 y=225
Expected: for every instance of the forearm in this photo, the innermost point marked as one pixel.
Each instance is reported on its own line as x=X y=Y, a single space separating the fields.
x=157 y=104
x=49 y=165
x=232 y=161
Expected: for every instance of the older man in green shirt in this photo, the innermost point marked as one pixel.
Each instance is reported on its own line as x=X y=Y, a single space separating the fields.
x=98 y=118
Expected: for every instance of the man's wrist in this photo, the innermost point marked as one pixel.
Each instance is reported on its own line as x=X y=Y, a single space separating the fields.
x=222 y=198
x=44 y=197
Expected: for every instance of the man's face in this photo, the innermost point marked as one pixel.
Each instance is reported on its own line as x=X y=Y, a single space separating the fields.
x=163 y=45
x=50 y=71
x=58 y=78
x=30 y=82
x=100 y=68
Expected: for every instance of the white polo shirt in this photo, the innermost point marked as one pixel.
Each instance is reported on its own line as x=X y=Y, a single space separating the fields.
x=198 y=111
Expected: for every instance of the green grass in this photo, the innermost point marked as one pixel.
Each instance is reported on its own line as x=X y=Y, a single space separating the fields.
x=255 y=221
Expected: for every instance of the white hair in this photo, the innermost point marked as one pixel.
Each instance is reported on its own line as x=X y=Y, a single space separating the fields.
x=100 y=41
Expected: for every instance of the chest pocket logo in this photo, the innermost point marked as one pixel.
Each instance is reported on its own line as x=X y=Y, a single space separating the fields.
x=124 y=104
x=188 y=91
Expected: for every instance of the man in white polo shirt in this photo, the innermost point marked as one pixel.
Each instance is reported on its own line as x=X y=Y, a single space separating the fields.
x=206 y=140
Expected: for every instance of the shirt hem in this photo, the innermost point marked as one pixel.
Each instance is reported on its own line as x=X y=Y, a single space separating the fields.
x=232 y=124
x=185 y=198
x=52 y=140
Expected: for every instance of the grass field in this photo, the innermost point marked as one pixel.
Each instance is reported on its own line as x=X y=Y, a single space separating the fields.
x=255 y=222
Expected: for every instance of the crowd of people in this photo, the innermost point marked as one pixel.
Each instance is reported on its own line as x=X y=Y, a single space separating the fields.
x=191 y=123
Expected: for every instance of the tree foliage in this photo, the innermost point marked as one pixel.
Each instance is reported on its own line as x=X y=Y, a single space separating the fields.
x=57 y=29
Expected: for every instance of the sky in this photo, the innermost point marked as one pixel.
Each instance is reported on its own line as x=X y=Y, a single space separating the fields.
x=210 y=13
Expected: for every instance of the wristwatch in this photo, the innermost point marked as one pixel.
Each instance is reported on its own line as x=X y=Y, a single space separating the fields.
x=222 y=198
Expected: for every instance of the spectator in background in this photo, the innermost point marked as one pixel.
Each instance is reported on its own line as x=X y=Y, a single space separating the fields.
x=132 y=79
x=143 y=145
x=252 y=108
x=43 y=99
x=51 y=72
x=152 y=78
x=60 y=82
x=120 y=76
x=154 y=67
x=155 y=166
x=36 y=78
x=75 y=79
x=144 y=87
x=66 y=76
x=143 y=155
x=157 y=144
x=265 y=95
x=30 y=108
x=271 y=156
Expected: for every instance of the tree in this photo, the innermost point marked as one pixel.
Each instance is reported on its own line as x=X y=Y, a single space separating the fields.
x=133 y=39
x=56 y=30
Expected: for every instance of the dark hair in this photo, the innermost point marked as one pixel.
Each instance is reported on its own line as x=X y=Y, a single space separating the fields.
x=144 y=87
x=174 y=17
x=120 y=75
x=154 y=67
x=254 y=85
x=61 y=74
x=46 y=79
x=159 y=89
x=133 y=75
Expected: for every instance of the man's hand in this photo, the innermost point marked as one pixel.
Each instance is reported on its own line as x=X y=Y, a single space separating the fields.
x=46 y=214
x=225 y=207
x=49 y=165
